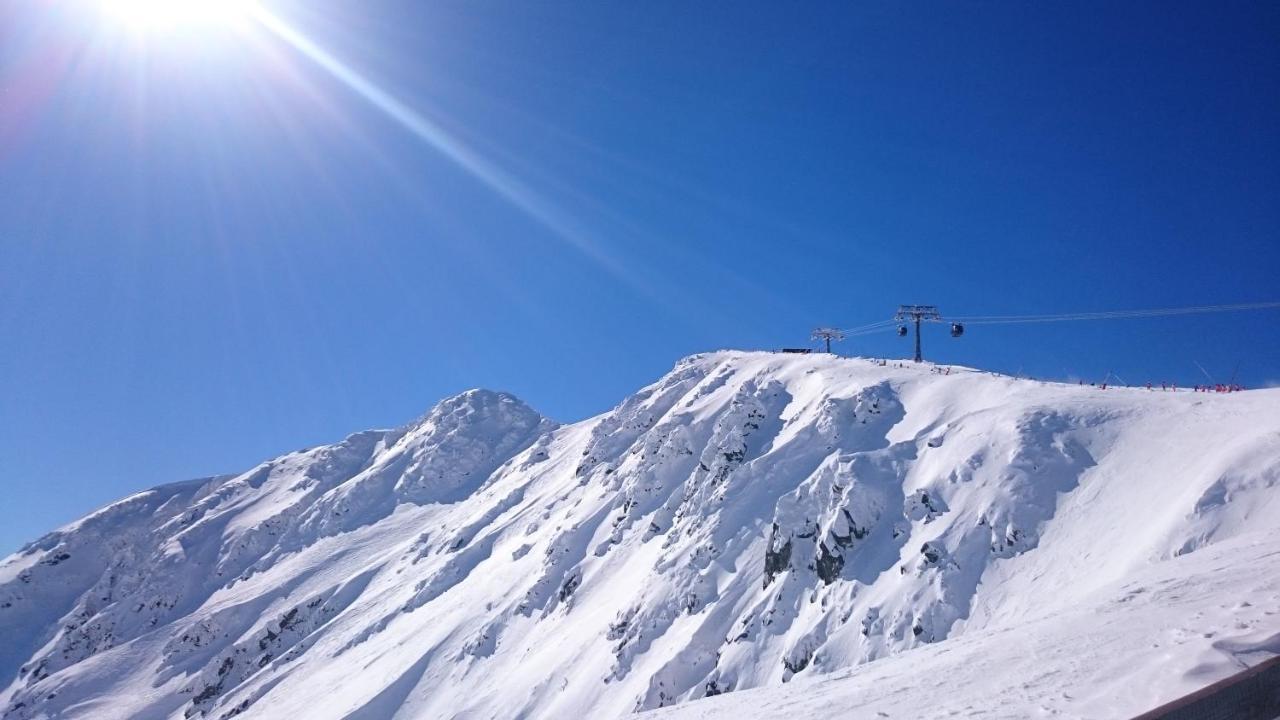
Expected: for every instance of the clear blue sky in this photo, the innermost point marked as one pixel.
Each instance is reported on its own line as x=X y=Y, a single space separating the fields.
x=214 y=249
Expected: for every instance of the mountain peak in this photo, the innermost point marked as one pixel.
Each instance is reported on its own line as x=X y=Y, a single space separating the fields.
x=462 y=440
x=478 y=404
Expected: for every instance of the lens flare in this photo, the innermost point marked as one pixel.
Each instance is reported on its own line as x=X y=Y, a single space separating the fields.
x=159 y=15
x=506 y=185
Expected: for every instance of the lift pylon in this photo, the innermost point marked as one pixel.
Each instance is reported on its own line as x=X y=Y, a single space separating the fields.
x=828 y=334
x=916 y=314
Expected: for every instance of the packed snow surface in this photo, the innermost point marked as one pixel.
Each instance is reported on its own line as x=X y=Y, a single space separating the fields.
x=755 y=526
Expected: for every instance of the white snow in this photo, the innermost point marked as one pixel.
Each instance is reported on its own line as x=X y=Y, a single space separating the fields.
x=1173 y=628
x=751 y=520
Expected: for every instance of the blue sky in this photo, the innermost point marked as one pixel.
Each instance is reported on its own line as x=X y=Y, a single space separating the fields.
x=214 y=250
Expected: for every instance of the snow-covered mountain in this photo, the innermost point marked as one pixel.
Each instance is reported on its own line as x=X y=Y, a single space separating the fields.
x=749 y=519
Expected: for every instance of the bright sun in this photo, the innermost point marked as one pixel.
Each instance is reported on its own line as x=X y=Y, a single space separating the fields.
x=171 y=14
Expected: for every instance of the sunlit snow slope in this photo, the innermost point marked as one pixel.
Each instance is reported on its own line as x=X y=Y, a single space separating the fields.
x=748 y=519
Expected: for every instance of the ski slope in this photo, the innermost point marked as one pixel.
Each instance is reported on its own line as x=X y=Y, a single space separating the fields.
x=788 y=533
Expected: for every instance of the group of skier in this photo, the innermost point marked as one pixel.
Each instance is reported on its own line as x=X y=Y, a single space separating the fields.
x=1216 y=388
x=1173 y=387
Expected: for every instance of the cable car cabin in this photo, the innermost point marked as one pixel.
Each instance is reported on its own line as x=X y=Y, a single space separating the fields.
x=957 y=329
x=797 y=351
x=902 y=331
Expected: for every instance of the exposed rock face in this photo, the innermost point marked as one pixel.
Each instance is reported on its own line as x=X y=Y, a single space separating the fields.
x=747 y=518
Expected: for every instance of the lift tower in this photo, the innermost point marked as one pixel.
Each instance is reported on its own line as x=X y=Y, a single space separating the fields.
x=916 y=313
x=828 y=334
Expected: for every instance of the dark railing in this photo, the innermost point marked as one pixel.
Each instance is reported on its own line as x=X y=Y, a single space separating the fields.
x=1253 y=694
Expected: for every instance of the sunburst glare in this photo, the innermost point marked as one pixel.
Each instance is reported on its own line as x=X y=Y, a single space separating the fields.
x=163 y=15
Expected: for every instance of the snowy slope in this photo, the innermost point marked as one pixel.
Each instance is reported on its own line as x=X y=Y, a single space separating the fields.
x=748 y=519
x=1171 y=629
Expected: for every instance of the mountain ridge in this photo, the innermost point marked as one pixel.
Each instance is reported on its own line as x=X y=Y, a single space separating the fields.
x=747 y=518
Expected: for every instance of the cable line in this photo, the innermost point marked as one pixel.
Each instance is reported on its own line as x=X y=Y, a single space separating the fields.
x=1112 y=314
x=883 y=324
x=919 y=313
